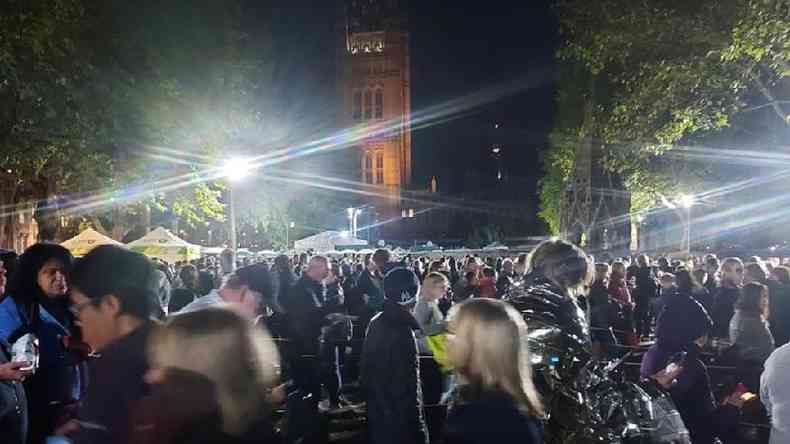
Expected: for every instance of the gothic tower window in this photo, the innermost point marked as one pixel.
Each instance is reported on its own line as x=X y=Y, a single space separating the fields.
x=379 y=104
x=368 y=104
x=380 y=168
x=368 y=168
x=356 y=105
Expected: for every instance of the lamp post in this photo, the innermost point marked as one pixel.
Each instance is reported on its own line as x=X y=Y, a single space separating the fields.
x=288 y=227
x=233 y=170
x=686 y=201
x=353 y=214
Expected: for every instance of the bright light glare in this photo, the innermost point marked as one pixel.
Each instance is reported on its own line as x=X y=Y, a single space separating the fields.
x=344 y=233
x=235 y=169
x=686 y=201
x=666 y=202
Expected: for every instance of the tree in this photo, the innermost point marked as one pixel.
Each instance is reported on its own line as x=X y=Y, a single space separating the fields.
x=676 y=73
x=45 y=134
x=109 y=109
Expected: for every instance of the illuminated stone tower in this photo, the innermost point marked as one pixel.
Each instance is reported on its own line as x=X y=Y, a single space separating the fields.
x=373 y=84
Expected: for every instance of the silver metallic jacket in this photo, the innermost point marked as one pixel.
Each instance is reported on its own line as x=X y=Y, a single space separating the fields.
x=587 y=401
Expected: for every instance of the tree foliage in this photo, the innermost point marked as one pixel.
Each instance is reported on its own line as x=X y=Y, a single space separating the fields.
x=674 y=73
x=123 y=105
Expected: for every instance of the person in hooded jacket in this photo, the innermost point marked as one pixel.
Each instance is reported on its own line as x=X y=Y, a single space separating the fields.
x=37 y=303
x=390 y=367
x=683 y=327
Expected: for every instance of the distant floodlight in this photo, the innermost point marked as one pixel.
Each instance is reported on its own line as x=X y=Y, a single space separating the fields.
x=344 y=233
x=686 y=201
x=236 y=168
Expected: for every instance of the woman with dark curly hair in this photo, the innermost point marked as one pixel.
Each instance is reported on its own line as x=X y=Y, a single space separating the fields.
x=37 y=304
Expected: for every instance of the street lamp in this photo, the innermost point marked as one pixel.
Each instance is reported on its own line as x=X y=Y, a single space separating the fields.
x=353 y=214
x=288 y=227
x=687 y=201
x=234 y=170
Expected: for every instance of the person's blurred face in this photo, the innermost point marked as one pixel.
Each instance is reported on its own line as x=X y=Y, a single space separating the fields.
x=98 y=322
x=732 y=272
x=3 y=279
x=712 y=269
x=507 y=267
x=52 y=279
x=667 y=283
x=318 y=270
x=434 y=290
x=748 y=277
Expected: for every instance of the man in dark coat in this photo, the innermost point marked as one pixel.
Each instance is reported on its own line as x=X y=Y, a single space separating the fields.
x=283 y=272
x=306 y=315
x=113 y=303
x=371 y=280
x=646 y=291
x=391 y=368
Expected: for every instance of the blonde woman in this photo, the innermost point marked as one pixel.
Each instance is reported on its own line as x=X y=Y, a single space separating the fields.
x=496 y=400
x=212 y=372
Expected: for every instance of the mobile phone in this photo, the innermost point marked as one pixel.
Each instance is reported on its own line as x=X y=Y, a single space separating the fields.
x=679 y=358
x=748 y=396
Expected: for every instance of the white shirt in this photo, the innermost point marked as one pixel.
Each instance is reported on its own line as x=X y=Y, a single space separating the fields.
x=210 y=300
x=775 y=393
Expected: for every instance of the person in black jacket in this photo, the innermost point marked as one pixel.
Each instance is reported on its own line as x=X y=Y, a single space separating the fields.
x=391 y=368
x=780 y=304
x=283 y=272
x=307 y=314
x=181 y=297
x=726 y=295
x=497 y=401
x=683 y=328
x=112 y=301
x=646 y=291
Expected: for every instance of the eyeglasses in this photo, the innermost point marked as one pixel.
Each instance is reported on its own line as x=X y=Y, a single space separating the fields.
x=76 y=309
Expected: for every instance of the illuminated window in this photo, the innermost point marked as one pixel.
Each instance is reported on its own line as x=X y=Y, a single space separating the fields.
x=380 y=168
x=379 y=104
x=356 y=105
x=368 y=104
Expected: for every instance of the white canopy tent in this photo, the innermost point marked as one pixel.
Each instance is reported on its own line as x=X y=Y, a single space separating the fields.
x=86 y=241
x=327 y=241
x=162 y=244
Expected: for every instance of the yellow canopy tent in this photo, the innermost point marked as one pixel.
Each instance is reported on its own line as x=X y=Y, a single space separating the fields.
x=161 y=243
x=86 y=241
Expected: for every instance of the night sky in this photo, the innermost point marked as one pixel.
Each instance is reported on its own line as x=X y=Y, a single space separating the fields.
x=458 y=48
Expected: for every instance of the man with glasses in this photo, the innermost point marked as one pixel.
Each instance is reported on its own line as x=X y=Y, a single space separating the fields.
x=726 y=295
x=111 y=302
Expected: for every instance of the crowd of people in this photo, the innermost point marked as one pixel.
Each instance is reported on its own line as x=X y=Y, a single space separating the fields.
x=130 y=350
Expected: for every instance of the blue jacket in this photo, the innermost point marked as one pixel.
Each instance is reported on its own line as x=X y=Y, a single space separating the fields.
x=59 y=378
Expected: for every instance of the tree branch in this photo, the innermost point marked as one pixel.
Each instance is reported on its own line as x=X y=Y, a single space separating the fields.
x=772 y=100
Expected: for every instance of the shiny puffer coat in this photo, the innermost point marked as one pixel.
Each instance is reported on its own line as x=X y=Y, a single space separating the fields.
x=586 y=402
